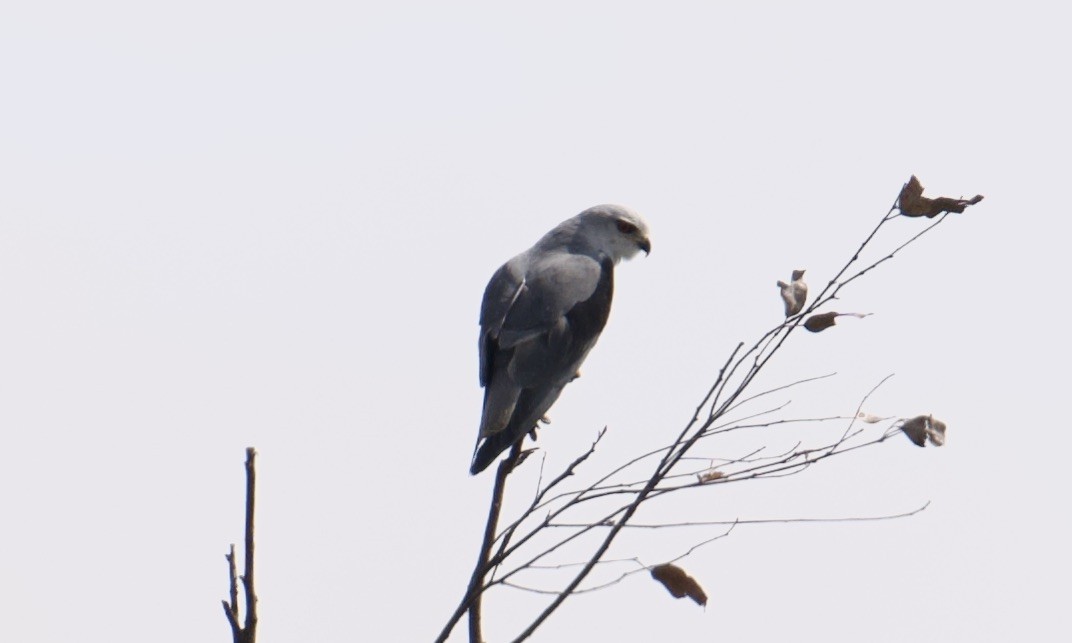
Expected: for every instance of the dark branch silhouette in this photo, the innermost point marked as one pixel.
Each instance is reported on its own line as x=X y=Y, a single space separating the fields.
x=244 y=632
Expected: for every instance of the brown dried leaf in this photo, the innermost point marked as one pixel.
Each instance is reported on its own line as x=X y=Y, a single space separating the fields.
x=819 y=323
x=922 y=428
x=709 y=475
x=912 y=203
x=822 y=321
x=916 y=430
x=679 y=583
x=936 y=432
x=794 y=293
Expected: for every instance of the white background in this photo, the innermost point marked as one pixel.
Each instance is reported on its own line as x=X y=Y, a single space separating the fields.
x=227 y=224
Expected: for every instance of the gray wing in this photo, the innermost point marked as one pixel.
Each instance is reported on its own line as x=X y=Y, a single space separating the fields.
x=502 y=291
x=522 y=305
x=539 y=318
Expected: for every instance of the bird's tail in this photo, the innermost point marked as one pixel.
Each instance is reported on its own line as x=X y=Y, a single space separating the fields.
x=490 y=449
x=531 y=405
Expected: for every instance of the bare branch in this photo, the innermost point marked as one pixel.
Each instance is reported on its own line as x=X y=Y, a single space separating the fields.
x=230 y=609
x=780 y=388
x=763 y=521
x=471 y=602
x=247 y=632
x=593 y=514
x=247 y=572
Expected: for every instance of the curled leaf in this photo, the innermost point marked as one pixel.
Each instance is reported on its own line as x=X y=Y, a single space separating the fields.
x=819 y=322
x=709 y=475
x=922 y=428
x=679 y=583
x=916 y=430
x=912 y=203
x=794 y=293
x=870 y=419
x=936 y=434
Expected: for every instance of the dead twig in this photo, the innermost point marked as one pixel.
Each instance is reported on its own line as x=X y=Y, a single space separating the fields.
x=244 y=632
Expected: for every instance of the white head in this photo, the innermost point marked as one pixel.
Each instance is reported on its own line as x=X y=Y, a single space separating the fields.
x=613 y=230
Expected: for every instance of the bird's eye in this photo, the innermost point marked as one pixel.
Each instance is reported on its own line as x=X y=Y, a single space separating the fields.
x=626 y=228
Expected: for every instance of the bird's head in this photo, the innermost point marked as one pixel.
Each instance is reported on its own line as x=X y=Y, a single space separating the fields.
x=616 y=231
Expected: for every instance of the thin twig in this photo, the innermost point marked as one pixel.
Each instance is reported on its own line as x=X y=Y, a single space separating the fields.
x=247 y=632
x=760 y=521
x=471 y=600
x=230 y=609
x=781 y=388
x=250 y=628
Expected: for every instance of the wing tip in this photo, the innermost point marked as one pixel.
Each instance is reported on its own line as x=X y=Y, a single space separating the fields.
x=489 y=449
x=480 y=462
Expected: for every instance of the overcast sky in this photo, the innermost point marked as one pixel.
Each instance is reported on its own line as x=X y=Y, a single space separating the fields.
x=229 y=224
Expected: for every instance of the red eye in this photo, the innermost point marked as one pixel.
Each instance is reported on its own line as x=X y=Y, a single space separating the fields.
x=626 y=228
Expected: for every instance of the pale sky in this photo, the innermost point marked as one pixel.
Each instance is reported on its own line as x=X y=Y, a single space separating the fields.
x=230 y=224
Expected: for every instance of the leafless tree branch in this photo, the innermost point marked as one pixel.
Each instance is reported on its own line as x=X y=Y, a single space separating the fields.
x=471 y=602
x=763 y=521
x=247 y=631
x=593 y=514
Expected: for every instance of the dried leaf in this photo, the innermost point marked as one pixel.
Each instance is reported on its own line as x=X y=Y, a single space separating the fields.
x=709 y=475
x=794 y=293
x=820 y=322
x=870 y=419
x=678 y=583
x=936 y=432
x=922 y=428
x=912 y=203
x=916 y=430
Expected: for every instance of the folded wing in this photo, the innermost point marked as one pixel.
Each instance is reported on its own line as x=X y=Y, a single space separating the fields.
x=539 y=318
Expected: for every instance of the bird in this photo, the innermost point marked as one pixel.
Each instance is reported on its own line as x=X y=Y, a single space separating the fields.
x=794 y=293
x=541 y=314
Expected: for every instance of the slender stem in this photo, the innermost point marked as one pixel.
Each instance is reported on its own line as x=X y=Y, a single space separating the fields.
x=471 y=602
x=594 y=560
x=247 y=572
x=247 y=632
x=230 y=609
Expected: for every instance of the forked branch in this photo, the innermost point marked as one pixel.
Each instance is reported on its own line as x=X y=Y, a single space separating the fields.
x=603 y=508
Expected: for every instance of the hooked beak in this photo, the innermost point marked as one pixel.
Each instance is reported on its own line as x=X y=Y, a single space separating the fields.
x=644 y=245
